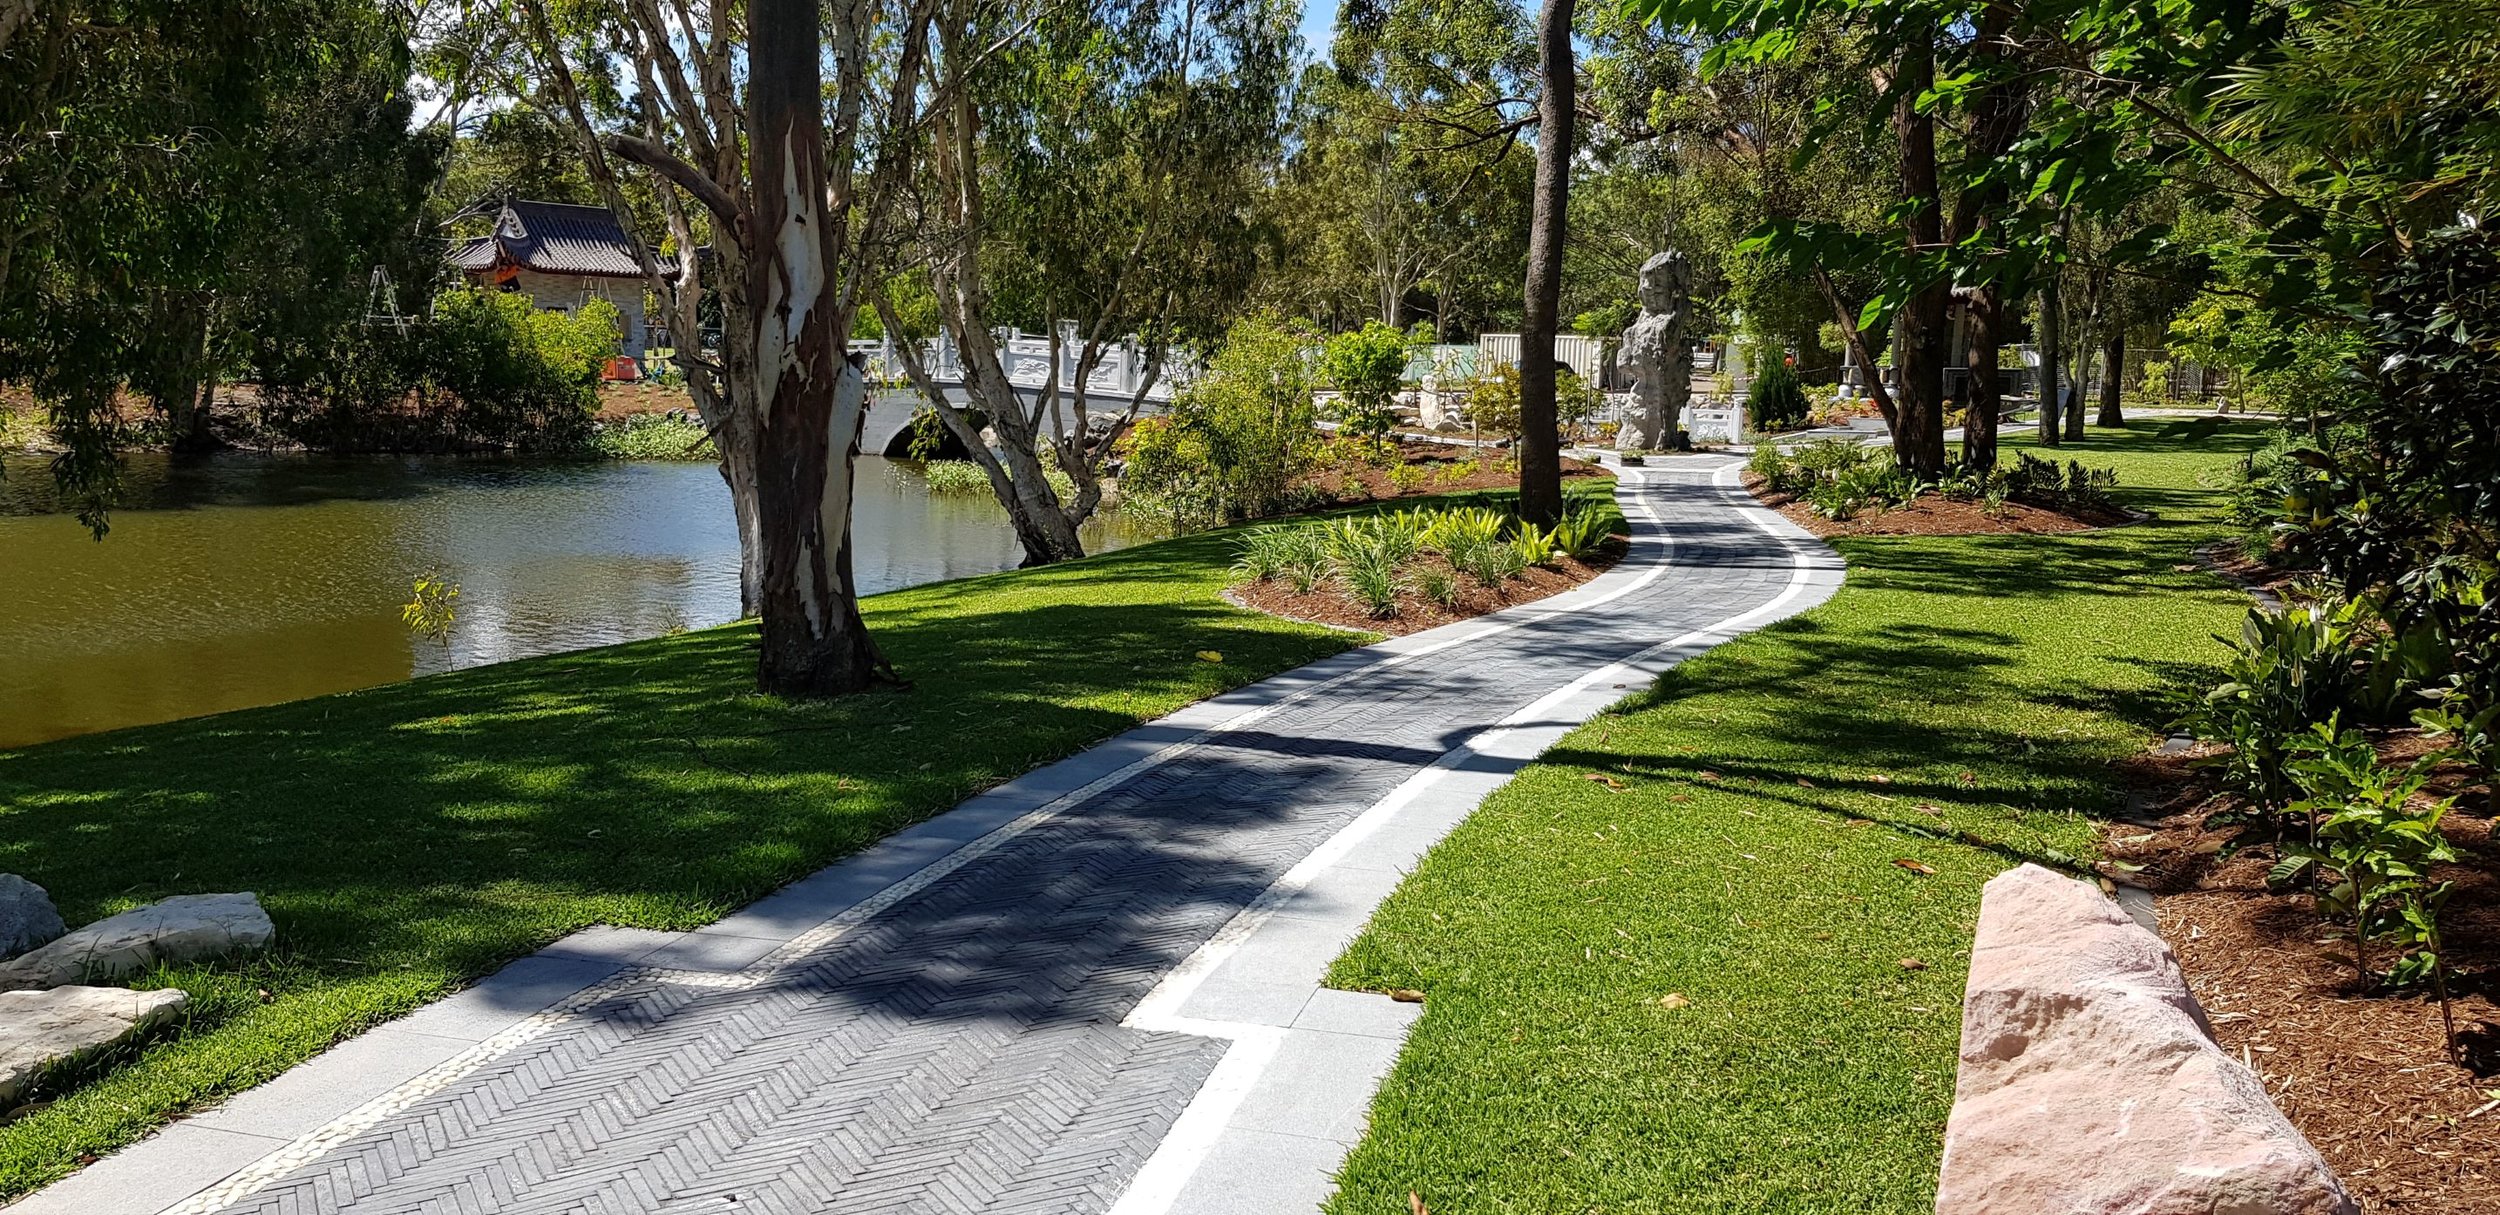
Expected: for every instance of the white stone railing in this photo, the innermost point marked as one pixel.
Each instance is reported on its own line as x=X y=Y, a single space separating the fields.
x=1026 y=358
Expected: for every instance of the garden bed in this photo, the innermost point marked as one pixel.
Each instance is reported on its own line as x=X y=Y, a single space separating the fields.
x=1935 y=515
x=2363 y=1074
x=1404 y=571
x=1840 y=487
x=1328 y=606
x=1429 y=468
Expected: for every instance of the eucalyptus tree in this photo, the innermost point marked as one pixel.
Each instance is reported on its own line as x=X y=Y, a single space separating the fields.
x=143 y=234
x=1414 y=142
x=1100 y=162
x=1953 y=90
x=777 y=185
x=1540 y=439
x=1699 y=165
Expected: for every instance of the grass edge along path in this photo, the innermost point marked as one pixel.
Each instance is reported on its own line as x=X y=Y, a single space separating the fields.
x=1707 y=954
x=411 y=838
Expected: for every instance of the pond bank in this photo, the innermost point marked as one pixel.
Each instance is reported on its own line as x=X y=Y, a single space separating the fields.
x=236 y=579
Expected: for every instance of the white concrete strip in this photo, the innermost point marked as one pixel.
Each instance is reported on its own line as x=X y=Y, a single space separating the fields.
x=1200 y=1166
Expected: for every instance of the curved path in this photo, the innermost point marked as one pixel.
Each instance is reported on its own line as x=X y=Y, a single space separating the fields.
x=1095 y=985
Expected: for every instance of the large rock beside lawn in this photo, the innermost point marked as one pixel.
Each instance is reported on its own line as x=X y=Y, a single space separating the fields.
x=40 y=1028
x=178 y=929
x=2091 y=1083
x=27 y=918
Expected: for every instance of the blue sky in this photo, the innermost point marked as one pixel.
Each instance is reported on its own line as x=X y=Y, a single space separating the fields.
x=1319 y=17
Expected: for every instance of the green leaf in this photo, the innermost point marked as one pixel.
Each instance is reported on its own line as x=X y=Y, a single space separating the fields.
x=2288 y=870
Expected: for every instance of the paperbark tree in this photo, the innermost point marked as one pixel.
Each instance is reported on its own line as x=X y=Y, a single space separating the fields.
x=2052 y=359
x=1113 y=198
x=1540 y=441
x=731 y=111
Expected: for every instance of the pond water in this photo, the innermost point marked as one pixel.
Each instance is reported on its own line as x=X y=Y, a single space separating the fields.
x=239 y=580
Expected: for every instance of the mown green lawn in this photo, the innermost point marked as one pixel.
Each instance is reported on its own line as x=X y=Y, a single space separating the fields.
x=409 y=838
x=1956 y=706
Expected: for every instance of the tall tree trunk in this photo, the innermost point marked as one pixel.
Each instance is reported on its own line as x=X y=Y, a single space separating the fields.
x=2113 y=370
x=1985 y=398
x=2077 y=369
x=1918 y=440
x=1540 y=444
x=2052 y=357
x=808 y=396
x=179 y=384
x=1846 y=319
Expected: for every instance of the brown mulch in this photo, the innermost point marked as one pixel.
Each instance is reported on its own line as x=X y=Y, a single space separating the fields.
x=1329 y=604
x=1364 y=483
x=2364 y=1074
x=1935 y=515
x=2233 y=562
x=618 y=401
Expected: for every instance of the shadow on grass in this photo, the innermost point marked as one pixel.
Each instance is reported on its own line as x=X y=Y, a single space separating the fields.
x=460 y=820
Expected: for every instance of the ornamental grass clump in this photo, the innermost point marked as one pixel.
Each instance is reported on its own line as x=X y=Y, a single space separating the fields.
x=955 y=478
x=1375 y=559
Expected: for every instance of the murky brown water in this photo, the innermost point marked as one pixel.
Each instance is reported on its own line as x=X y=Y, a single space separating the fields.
x=242 y=580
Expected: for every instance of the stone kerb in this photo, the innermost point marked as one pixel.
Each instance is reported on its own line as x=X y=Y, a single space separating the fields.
x=2091 y=1083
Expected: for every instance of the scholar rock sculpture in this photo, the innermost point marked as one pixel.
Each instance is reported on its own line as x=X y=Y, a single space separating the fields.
x=1655 y=351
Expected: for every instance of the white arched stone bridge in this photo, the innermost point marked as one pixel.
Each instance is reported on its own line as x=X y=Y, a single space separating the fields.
x=1027 y=357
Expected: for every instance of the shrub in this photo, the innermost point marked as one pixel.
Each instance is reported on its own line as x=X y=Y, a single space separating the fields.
x=955 y=478
x=2073 y=489
x=2377 y=846
x=1366 y=367
x=525 y=377
x=1866 y=487
x=487 y=370
x=1264 y=554
x=1234 y=442
x=1828 y=459
x=1771 y=464
x=1460 y=528
x=2278 y=481
x=1776 y=401
x=1583 y=530
x=654 y=436
x=1493 y=402
x=1439 y=585
x=2292 y=669
x=1534 y=545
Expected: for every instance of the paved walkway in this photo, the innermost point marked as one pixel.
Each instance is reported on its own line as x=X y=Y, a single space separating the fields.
x=1096 y=985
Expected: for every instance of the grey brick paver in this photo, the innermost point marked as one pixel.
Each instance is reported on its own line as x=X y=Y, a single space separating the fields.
x=962 y=1050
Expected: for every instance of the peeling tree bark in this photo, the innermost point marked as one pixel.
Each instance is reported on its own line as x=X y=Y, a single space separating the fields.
x=792 y=237
x=808 y=397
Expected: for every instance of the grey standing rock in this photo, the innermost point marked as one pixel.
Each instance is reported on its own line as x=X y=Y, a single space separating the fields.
x=27 y=917
x=41 y=1028
x=178 y=929
x=1655 y=351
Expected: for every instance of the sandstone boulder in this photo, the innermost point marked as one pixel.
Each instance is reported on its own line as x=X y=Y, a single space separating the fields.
x=2090 y=1081
x=40 y=1028
x=27 y=918
x=178 y=929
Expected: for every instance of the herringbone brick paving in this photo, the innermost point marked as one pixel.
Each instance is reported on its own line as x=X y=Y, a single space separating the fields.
x=962 y=1050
